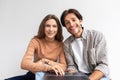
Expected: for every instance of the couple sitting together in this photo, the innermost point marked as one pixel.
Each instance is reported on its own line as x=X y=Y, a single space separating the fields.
x=84 y=51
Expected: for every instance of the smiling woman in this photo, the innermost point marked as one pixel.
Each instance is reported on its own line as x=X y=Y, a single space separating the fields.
x=51 y=29
x=45 y=49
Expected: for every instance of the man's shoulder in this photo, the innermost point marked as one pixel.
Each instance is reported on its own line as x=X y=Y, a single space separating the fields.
x=93 y=32
x=69 y=39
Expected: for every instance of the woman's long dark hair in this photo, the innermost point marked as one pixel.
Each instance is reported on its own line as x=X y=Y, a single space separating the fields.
x=41 y=31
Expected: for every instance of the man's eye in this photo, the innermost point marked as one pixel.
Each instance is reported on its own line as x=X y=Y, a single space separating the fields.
x=66 y=22
x=73 y=20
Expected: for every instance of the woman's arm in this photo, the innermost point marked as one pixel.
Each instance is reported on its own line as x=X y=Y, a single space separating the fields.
x=27 y=61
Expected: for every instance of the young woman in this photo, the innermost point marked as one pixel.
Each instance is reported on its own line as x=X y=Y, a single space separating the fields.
x=45 y=51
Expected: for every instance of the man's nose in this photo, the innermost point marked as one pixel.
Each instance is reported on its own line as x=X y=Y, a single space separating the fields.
x=71 y=23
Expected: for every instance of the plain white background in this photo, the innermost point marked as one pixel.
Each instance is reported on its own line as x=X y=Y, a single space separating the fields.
x=20 y=19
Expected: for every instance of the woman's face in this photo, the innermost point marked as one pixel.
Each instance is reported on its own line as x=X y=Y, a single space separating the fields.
x=51 y=29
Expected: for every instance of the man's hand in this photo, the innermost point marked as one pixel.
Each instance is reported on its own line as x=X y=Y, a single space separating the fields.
x=71 y=71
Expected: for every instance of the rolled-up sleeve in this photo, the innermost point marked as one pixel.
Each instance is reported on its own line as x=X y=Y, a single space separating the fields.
x=101 y=54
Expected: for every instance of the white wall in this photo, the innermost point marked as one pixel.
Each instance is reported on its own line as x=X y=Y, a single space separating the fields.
x=19 y=21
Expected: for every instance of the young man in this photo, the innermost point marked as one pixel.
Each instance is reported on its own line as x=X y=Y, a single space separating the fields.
x=85 y=50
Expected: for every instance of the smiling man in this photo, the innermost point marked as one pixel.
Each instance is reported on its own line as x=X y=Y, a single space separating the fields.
x=85 y=50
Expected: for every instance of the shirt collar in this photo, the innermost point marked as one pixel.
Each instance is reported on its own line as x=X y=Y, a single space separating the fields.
x=84 y=34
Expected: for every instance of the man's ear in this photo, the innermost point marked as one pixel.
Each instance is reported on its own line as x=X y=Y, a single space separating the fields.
x=81 y=21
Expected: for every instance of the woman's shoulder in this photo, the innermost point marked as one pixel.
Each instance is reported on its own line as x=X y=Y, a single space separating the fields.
x=36 y=40
x=60 y=43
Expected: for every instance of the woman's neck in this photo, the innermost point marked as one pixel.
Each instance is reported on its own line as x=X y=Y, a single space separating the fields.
x=49 y=40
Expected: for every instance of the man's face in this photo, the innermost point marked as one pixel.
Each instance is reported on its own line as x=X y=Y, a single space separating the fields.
x=73 y=24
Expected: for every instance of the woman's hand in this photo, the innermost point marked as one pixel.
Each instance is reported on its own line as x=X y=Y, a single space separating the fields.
x=54 y=66
x=58 y=70
x=49 y=62
x=44 y=60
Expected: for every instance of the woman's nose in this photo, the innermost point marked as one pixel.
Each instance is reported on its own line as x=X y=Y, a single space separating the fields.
x=51 y=28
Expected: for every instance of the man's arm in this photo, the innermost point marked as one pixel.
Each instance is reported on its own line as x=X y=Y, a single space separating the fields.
x=96 y=75
x=69 y=58
x=101 y=58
